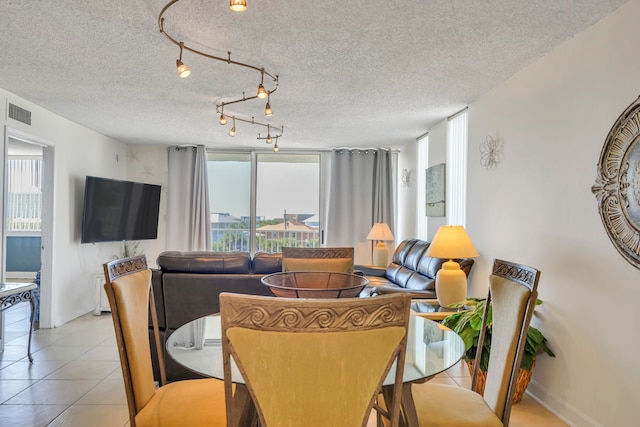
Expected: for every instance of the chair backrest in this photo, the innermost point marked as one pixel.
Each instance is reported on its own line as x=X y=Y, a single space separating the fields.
x=512 y=297
x=128 y=287
x=318 y=259
x=314 y=362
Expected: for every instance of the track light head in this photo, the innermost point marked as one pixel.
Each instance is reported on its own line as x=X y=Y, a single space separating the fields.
x=183 y=70
x=275 y=147
x=223 y=119
x=232 y=132
x=238 y=5
x=267 y=110
x=262 y=92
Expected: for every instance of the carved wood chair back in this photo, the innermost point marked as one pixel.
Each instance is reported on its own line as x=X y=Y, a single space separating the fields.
x=314 y=362
x=318 y=259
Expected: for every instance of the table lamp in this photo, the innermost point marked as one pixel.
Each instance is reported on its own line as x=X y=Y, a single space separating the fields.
x=380 y=232
x=451 y=241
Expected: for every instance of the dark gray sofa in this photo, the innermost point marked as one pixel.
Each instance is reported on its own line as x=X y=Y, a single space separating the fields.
x=410 y=271
x=187 y=285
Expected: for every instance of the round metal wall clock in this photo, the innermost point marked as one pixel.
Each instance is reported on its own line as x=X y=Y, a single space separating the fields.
x=617 y=186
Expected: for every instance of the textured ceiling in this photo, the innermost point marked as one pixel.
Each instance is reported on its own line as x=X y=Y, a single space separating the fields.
x=365 y=73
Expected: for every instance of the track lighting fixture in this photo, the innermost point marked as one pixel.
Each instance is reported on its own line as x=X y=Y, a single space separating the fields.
x=275 y=147
x=238 y=5
x=269 y=140
x=267 y=109
x=232 y=132
x=262 y=92
x=183 y=70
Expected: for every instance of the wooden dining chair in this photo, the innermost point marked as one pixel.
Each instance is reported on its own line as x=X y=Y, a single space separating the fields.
x=512 y=295
x=318 y=259
x=183 y=403
x=314 y=362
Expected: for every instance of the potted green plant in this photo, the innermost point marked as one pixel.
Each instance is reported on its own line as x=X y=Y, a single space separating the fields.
x=467 y=324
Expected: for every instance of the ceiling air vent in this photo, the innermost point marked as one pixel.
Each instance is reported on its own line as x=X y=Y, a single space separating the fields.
x=19 y=114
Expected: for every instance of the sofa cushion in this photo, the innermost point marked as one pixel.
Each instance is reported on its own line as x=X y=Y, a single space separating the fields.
x=267 y=263
x=205 y=262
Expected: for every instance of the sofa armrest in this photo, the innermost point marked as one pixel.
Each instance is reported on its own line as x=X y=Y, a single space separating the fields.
x=371 y=270
x=465 y=265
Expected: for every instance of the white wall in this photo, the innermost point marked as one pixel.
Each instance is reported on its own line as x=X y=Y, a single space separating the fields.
x=407 y=202
x=149 y=164
x=537 y=208
x=78 y=152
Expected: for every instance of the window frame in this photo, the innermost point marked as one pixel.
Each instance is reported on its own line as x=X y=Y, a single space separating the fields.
x=254 y=154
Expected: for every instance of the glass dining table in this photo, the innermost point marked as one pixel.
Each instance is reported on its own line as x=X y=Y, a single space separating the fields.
x=431 y=349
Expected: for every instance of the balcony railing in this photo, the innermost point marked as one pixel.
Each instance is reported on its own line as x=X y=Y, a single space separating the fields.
x=237 y=239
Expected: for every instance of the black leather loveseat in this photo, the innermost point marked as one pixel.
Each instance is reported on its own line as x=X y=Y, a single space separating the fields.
x=187 y=285
x=410 y=271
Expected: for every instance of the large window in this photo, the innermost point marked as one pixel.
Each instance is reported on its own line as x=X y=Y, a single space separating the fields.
x=24 y=194
x=261 y=202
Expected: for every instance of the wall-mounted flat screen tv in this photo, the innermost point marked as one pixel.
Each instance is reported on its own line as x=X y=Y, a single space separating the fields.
x=117 y=210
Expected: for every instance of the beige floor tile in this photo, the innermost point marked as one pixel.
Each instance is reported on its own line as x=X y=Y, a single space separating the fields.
x=93 y=415
x=102 y=352
x=53 y=392
x=57 y=352
x=84 y=370
x=107 y=392
x=528 y=413
x=29 y=415
x=115 y=375
x=38 y=341
x=82 y=339
x=9 y=388
x=14 y=352
x=458 y=370
x=36 y=370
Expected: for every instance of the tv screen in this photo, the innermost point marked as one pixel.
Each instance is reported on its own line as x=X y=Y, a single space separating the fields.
x=119 y=210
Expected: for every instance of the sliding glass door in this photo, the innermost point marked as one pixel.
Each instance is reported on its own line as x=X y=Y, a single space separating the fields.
x=263 y=201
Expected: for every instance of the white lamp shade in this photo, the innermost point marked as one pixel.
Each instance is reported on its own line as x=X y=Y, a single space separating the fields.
x=451 y=241
x=380 y=231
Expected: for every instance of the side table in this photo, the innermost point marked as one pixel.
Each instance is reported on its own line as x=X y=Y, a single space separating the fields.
x=14 y=293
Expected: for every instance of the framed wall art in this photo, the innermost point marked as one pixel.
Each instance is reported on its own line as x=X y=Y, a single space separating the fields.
x=617 y=187
x=435 y=191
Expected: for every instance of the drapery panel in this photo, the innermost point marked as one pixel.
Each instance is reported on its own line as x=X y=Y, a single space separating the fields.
x=188 y=217
x=362 y=192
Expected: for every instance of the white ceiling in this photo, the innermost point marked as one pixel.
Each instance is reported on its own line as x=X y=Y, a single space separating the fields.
x=366 y=73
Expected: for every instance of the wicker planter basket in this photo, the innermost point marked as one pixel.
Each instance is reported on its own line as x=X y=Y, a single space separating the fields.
x=521 y=383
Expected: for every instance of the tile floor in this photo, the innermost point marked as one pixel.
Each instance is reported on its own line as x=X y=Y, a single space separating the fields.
x=75 y=379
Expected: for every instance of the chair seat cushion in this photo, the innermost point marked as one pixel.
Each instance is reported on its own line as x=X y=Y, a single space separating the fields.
x=186 y=403
x=444 y=405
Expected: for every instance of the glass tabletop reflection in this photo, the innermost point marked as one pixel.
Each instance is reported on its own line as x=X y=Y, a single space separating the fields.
x=431 y=349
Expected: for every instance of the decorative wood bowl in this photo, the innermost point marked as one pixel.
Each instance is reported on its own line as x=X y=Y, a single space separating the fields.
x=315 y=284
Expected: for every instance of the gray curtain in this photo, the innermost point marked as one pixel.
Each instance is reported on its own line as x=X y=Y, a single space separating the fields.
x=188 y=217
x=362 y=192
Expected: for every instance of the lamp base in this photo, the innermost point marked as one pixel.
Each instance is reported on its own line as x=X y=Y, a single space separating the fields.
x=451 y=284
x=380 y=255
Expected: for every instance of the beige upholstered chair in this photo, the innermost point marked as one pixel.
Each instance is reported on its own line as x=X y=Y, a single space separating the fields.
x=314 y=362
x=183 y=403
x=317 y=259
x=513 y=294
